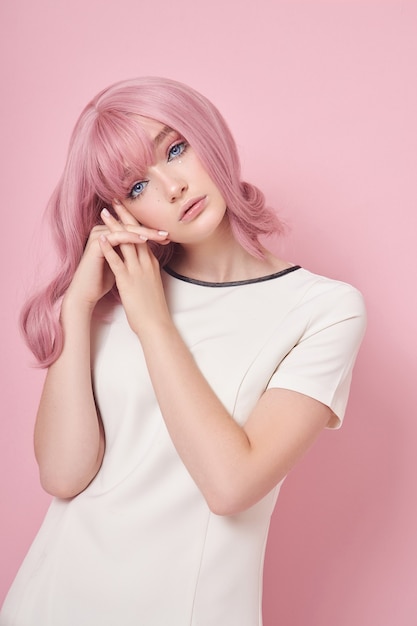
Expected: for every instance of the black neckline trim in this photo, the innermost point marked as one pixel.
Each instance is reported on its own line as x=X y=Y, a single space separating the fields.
x=233 y=283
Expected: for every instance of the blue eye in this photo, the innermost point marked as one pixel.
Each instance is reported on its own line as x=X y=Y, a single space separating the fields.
x=137 y=189
x=177 y=150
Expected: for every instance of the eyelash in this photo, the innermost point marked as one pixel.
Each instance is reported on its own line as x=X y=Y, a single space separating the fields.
x=180 y=144
x=183 y=145
x=133 y=194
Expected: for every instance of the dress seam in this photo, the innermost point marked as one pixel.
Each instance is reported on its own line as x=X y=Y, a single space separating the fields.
x=197 y=582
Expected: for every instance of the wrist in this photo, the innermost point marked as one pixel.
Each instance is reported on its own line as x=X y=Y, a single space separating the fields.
x=72 y=305
x=157 y=334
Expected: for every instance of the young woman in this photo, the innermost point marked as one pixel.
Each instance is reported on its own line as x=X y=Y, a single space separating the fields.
x=189 y=369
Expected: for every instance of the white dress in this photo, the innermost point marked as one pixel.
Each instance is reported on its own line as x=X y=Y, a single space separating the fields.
x=140 y=547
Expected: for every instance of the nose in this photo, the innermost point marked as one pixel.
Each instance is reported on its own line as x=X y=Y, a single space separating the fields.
x=174 y=185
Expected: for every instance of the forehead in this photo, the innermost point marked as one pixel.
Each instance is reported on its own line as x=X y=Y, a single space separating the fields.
x=157 y=131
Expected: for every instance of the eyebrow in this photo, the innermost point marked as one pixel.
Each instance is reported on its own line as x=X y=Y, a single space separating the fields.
x=167 y=130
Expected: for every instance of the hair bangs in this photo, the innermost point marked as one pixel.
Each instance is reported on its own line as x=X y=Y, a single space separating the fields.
x=121 y=152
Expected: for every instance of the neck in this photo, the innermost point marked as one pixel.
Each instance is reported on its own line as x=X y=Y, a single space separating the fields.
x=222 y=259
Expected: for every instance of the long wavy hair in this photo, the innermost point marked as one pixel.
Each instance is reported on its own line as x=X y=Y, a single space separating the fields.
x=107 y=150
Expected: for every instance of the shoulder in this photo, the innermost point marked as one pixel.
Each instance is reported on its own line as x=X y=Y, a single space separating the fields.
x=325 y=295
x=336 y=325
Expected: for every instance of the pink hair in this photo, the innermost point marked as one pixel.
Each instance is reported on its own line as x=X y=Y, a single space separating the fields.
x=109 y=149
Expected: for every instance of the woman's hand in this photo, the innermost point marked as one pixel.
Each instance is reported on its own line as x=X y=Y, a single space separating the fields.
x=135 y=269
x=93 y=277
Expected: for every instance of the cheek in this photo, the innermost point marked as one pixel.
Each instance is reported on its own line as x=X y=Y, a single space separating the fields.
x=209 y=182
x=148 y=214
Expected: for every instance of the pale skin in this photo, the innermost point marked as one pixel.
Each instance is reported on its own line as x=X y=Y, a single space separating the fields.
x=234 y=466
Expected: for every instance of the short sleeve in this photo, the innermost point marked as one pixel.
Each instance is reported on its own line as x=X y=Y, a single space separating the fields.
x=320 y=364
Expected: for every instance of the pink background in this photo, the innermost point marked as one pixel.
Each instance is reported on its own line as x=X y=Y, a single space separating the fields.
x=322 y=99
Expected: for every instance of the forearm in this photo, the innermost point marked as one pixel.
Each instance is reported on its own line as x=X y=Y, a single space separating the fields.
x=233 y=466
x=214 y=448
x=69 y=442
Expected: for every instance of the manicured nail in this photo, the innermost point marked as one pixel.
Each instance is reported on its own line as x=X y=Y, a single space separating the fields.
x=163 y=232
x=105 y=212
x=143 y=237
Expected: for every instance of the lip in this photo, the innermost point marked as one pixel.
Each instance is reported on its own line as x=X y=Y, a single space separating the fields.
x=192 y=208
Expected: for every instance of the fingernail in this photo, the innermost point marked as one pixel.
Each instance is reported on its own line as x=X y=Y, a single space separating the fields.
x=115 y=201
x=105 y=212
x=143 y=237
x=163 y=232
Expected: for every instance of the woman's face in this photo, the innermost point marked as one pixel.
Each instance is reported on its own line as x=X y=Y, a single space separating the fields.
x=177 y=195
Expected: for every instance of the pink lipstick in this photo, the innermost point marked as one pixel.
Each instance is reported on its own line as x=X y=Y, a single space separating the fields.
x=193 y=208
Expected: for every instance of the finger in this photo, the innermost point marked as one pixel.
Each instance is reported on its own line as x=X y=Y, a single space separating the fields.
x=131 y=223
x=125 y=216
x=160 y=236
x=127 y=246
x=111 y=222
x=95 y=232
x=115 y=262
x=97 y=229
x=123 y=237
x=116 y=226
